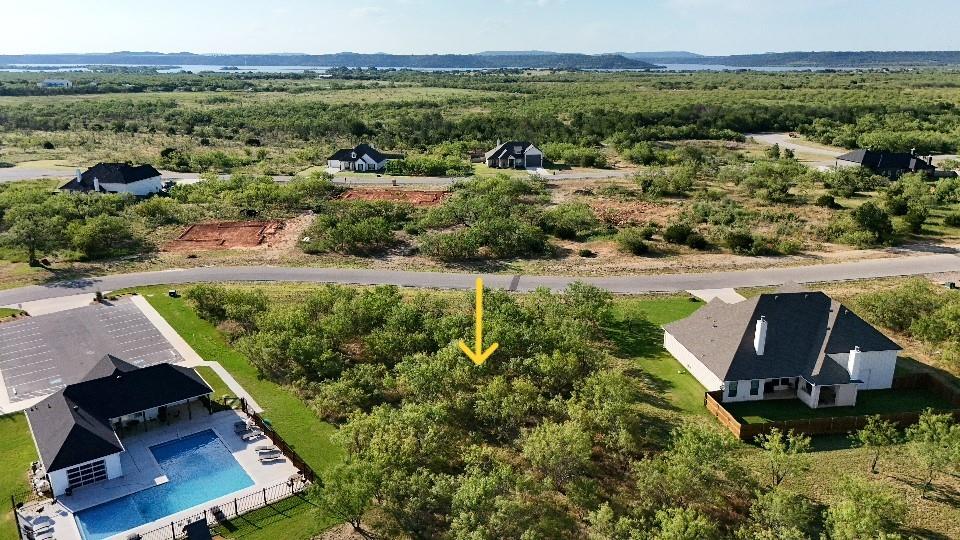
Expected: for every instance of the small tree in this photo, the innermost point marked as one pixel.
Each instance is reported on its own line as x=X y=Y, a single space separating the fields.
x=684 y=524
x=876 y=435
x=784 y=453
x=560 y=451
x=863 y=511
x=774 y=151
x=934 y=442
x=348 y=491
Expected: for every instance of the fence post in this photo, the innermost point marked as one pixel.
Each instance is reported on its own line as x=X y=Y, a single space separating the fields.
x=173 y=531
x=236 y=508
x=264 y=496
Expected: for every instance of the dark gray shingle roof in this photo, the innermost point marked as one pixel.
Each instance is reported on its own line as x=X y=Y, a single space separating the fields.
x=803 y=328
x=887 y=161
x=72 y=426
x=345 y=154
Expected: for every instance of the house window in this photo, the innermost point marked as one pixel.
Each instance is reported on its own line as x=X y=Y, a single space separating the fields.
x=754 y=387
x=785 y=381
x=88 y=473
x=808 y=388
x=732 y=389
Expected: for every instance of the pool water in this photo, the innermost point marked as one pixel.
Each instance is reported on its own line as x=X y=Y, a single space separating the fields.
x=199 y=467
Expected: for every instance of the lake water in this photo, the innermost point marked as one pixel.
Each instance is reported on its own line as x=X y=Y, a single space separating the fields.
x=66 y=68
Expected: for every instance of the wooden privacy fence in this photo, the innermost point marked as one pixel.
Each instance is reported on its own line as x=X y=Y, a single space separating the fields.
x=835 y=425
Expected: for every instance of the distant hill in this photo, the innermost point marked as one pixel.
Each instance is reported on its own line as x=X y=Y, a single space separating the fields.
x=516 y=53
x=345 y=59
x=656 y=56
x=826 y=59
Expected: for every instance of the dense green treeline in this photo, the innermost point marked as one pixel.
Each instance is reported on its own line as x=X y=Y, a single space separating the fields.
x=897 y=111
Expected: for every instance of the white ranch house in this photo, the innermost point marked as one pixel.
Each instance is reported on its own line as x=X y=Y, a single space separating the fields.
x=139 y=180
x=514 y=155
x=785 y=345
x=362 y=158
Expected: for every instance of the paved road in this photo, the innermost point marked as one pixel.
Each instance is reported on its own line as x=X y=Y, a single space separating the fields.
x=912 y=265
x=796 y=144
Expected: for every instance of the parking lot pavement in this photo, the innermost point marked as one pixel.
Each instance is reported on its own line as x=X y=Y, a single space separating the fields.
x=39 y=355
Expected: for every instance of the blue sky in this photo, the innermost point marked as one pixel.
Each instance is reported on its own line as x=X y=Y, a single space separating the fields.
x=465 y=26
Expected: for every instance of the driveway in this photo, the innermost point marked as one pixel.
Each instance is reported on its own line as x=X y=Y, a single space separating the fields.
x=902 y=266
x=797 y=145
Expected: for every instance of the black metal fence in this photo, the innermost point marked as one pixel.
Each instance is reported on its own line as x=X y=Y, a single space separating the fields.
x=224 y=512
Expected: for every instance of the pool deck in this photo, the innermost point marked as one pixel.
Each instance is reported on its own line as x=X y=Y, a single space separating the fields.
x=141 y=471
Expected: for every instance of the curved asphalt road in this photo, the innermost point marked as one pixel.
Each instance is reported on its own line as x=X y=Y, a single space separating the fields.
x=913 y=265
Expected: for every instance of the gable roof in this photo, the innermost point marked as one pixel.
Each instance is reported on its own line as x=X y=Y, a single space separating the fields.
x=508 y=149
x=72 y=426
x=887 y=161
x=345 y=154
x=803 y=330
x=111 y=173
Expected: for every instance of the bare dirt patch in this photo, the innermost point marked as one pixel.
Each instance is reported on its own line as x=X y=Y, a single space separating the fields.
x=226 y=235
x=416 y=198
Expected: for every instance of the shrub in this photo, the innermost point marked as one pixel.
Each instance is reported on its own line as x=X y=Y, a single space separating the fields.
x=252 y=141
x=675 y=181
x=696 y=241
x=355 y=227
x=915 y=218
x=826 y=201
x=872 y=219
x=570 y=220
x=739 y=241
x=47 y=145
x=101 y=236
x=572 y=154
x=952 y=219
x=586 y=253
x=677 y=233
x=631 y=240
x=429 y=165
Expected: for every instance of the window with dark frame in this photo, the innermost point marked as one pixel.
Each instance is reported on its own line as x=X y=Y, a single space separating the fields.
x=86 y=474
x=754 y=387
x=732 y=389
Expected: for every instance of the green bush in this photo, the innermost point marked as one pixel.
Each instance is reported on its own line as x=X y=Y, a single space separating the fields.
x=570 y=221
x=739 y=242
x=676 y=181
x=826 y=201
x=429 y=165
x=355 y=227
x=696 y=240
x=631 y=240
x=952 y=219
x=102 y=236
x=677 y=233
x=572 y=154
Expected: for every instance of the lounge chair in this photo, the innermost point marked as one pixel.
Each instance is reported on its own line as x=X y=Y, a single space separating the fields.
x=267 y=449
x=251 y=435
x=240 y=427
x=272 y=457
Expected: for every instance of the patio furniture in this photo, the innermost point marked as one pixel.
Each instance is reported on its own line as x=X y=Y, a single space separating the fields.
x=267 y=450
x=251 y=435
x=271 y=458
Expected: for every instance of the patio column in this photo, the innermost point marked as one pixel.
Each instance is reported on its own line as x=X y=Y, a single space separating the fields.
x=189 y=411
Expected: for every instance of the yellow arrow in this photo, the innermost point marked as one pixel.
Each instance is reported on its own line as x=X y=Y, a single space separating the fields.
x=478 y=355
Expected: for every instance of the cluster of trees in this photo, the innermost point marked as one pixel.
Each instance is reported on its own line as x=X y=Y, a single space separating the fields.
x=552 y=438
x=572 y=154
x=430 y=165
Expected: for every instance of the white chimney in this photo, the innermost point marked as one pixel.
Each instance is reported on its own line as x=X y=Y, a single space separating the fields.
x=760 y=336
x=96 y=184
x=853 y=362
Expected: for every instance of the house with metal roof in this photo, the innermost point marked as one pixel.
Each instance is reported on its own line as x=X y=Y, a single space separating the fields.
x=791 y=344
x=892 y=164
x=361 y=158
x=78 y=430
x=139 y=180
x=514 y=155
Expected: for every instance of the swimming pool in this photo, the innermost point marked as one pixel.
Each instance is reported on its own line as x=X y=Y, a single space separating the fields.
x=199 y=467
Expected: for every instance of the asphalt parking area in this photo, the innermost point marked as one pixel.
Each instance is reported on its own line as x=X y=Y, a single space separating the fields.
x=39 y=355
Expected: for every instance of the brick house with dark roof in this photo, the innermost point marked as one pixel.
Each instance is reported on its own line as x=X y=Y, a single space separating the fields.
x=78 y=429
x=787 y=344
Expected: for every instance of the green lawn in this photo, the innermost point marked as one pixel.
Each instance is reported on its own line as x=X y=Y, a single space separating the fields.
x=296 y=517
x=220 y=388
x=868 y=402
x=16 y=453
x=290 y=416
x=636 y=332
x=8 y=312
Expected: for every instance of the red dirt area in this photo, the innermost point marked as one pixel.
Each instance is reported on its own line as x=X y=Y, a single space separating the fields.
x=622 y=213
x=225 y=235
x=416 y=198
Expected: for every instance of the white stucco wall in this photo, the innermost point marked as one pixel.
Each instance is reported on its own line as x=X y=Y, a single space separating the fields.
x=743 y=391
x=846 y=395
x=875 y=368
x=58 y=478
x=809 y=399
x=688 y=360
x=142 y=188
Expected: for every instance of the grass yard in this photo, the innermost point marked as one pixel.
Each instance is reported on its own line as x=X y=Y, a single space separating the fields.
x=636 y=333
x=290 y=416
x=296 y=517
x=16 y=453
x=868 y=402
x=220 y=388
x=9 y=313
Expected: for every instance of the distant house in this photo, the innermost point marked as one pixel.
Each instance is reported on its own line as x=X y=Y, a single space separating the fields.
x=785 y=345
x=78 y=430
x=892 y=164
x=55 y=83
x=514 y=155
x=140 y=180
x=362 y=158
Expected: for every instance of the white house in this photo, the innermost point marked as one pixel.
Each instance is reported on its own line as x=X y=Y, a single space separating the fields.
x=514 y=155
x=788 y=344
x=362 y=158
x=78 y=430
x=140 y=180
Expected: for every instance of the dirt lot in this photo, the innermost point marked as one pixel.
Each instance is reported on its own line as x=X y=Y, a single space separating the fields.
x=416 y=198
x=226 y=235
